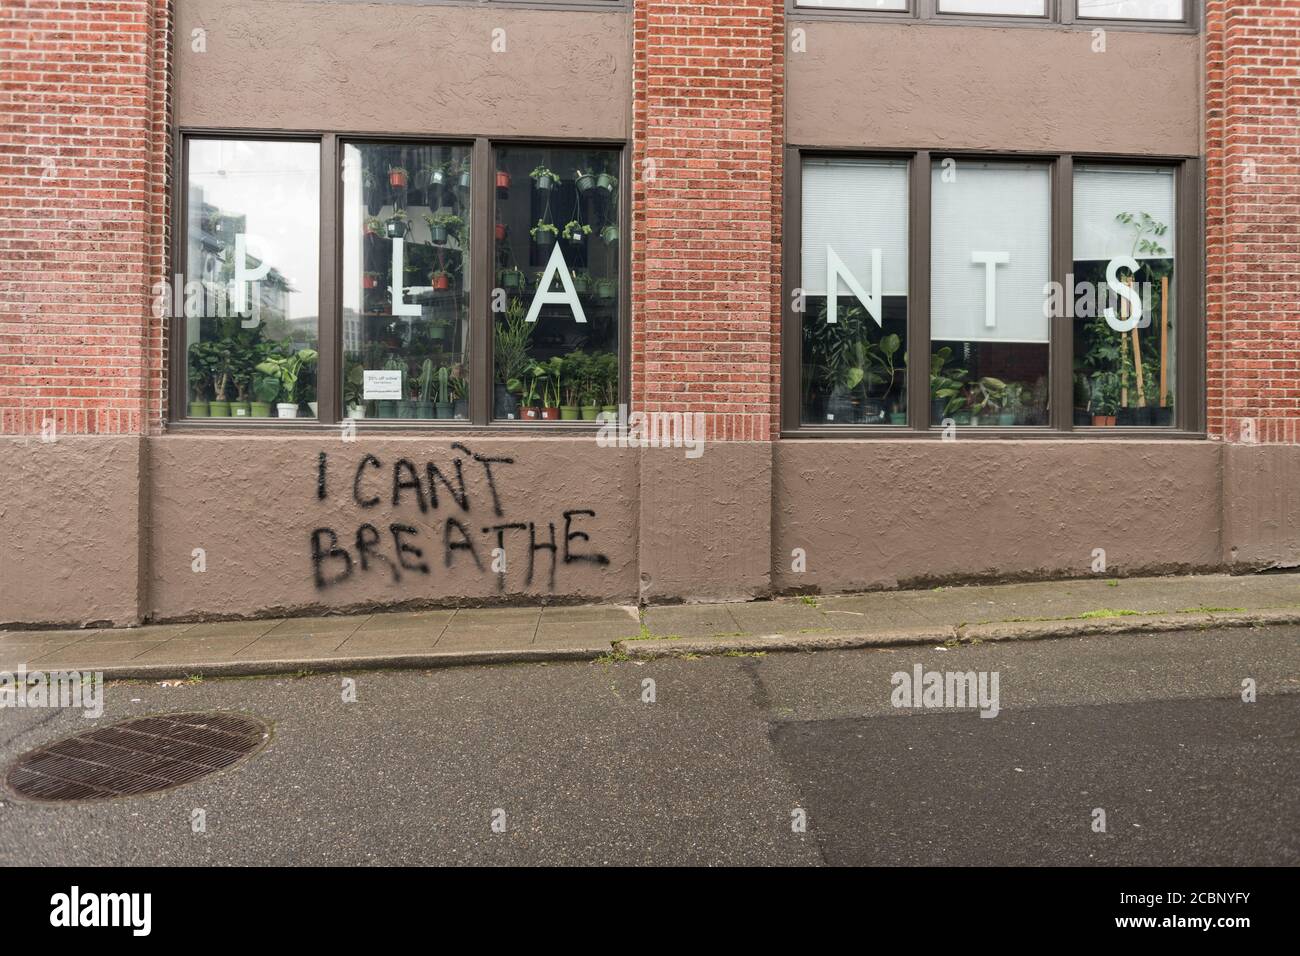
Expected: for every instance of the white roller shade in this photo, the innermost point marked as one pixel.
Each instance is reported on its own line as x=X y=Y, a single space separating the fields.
x=1103 y=192
x=990 y=212
x=855 y=207
x=1131 y=9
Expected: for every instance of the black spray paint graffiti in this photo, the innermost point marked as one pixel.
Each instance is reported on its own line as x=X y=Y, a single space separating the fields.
x=435 y=490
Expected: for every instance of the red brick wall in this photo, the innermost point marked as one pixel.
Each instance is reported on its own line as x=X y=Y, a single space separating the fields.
x=1253 y=218
x=82 y=199
x=708 y=81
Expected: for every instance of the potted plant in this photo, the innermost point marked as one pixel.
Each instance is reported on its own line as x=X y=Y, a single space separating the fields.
x=551 y=389
x=512 y=278
x=374 y=226
x=387 y=407
x=586 y=180
x=576 y=232
x=241 y=377
x=284 y=369
x=435 y=174
x=198 y=381
x=440 y=280
x=398 y=177
x=569 y=372
x=947 y=385
x=396 y=225
x=1105 y=398
x=581 y=281
x=422 y=405
x=607 y=364
x=609 y=234
x=986 y=398
x=543 y=177
x=503 y=179
x=1014 y=403
x=444 y=225
x=511 y=338
x=544 y=233
x=533 y=381
x=459 y=392
x=606 y=182
x=354 y=390
x=220 y=367
x=463 y=174
x=370 y=280
x=606 y=289
x=444 y=407
x=501 y=232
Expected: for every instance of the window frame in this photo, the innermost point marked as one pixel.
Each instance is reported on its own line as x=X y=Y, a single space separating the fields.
x=330 y=293
x=1060 y=13
x=1188 y=245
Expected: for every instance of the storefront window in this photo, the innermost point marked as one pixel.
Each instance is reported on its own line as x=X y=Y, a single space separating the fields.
x=556 y=306
x=1026 y=8
x=990 y=264
x=406 y=281
x=1131 y=9
x=1123 y=296
x=854 y=292
x=252 y=268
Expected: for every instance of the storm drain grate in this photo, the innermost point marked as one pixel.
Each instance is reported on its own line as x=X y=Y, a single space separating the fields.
x=136 y=756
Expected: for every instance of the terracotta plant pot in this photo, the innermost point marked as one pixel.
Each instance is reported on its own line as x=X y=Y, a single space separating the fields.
x=397 y=178
x=550 y=414
x=532 y=414
x=440 y=283
x=501 y=232
x=369 y=282
x=503 y=179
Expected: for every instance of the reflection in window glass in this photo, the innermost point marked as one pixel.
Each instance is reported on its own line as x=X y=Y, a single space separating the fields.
x=406 y=281
x=855 y=4
x=555 y=342
x=1028 y=8
x=1131 y=9
x=252 y=267
x=990 y=263
x=854 y=284
x=1123 y=296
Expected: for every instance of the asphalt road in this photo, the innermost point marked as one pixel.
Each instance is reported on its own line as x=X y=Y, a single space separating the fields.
x=1151 y=729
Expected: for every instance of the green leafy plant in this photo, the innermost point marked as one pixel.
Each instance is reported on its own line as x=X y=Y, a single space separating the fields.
x=574 y=230
x=511 y=341
x=544 y=177
x=424 y=383
x=283 y=369
x=354 y=384
x=544 y=229
x=947 y=384
x=443 y=225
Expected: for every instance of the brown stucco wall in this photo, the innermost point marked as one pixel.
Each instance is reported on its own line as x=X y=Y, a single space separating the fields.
x=70 y=527
x=1261 y=505
x=251 y=503
x=423 y=69
x=935 y=86
x=877 y=514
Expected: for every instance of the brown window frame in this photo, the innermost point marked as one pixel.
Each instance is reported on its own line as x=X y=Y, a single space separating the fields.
x=482 y=319
x=1060 y=13
x=1189 y=401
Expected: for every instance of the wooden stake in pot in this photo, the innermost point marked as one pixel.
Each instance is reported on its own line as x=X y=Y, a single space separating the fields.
x=1164 y=340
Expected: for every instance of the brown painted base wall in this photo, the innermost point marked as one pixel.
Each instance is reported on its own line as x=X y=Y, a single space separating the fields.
x=87 y=541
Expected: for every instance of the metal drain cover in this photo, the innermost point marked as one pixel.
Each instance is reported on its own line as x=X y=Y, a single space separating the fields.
x=136 y=756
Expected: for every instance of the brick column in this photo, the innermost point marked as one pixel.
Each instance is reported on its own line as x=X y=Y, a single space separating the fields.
x=708 y=87
x=83 y=200
x=1253 y=218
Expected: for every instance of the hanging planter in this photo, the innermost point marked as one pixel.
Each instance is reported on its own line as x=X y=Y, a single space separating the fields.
x=437 y=175
x=441 y=281
x=370 y=280
x=581 y=282
x=586 y=181
x=609 y=234
x=544 y=233
x=374 y=226
x=512 y=279
x=606 y=182
x=503 y=179
x=398 y=177
x=543 y=177
x=396 y=225
x=464 y=179
x=606 y=290
x=576 y=232
x=501 y=232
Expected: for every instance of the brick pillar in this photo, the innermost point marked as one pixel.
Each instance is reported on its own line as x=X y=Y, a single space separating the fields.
x=1253 y=218
x=1253 y=273
x=83 y=201
x=708 y=87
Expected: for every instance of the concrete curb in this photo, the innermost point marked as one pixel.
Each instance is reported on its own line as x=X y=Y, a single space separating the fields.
x=748 y=644
x=333 y=665
x=966 y=634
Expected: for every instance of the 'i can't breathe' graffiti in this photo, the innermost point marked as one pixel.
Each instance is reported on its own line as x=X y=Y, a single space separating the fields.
x=458 y=524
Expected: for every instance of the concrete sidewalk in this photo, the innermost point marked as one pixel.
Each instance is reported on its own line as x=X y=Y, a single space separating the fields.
x=485 y=635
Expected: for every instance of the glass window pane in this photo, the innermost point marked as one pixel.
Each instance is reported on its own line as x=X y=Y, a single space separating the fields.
x=557 y=258
x=854 y=283
x=1131 y=9
x=855 y=4
x=1123 y=303
x=1026 y=8
x=406 y=281
x=252 y=268
x=990 y=263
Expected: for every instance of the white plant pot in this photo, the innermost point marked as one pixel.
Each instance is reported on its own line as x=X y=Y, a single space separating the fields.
x=356 y=411
x=286 y=410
